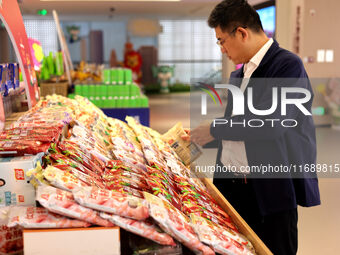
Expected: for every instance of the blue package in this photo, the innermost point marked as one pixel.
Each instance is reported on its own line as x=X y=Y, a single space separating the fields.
x=10 y=76
x=16 y=77
x=3 y=87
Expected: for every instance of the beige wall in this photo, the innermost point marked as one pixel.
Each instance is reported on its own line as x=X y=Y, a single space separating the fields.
x=318 y=31
x=284 y=23
x=322 y=31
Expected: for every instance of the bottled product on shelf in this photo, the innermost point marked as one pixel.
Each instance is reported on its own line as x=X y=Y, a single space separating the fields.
x=117 y=90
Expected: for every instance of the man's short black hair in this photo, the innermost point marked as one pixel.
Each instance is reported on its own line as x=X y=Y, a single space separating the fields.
x=230 y=14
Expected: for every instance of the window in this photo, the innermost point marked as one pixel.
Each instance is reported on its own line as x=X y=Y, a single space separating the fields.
x=44 y=31
x=189 y=45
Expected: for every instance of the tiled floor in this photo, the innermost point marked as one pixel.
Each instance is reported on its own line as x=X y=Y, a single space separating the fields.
x=319 y=227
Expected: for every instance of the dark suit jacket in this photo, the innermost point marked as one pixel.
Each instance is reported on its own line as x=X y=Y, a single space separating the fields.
x=275 y=146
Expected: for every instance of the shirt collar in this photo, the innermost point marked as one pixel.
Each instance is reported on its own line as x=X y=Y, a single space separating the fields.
x=257 y=58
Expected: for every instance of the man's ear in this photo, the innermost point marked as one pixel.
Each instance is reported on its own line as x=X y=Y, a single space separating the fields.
x=244 y=33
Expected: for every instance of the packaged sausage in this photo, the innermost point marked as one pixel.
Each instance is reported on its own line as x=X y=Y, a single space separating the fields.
x=62 y=202
x=223 y=242
x=39 y=217
x=15 y=148
x=114 y=202
x=63 y=179
x=11 y=241
x=145 y=229
x=176 y=224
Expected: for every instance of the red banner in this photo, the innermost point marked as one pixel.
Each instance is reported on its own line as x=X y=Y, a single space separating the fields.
x=11 y=17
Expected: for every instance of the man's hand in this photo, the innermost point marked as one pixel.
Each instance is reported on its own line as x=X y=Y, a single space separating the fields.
x=186 y=137
x=201 y=134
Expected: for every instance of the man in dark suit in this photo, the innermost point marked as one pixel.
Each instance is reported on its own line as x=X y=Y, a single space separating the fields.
x=268 y=204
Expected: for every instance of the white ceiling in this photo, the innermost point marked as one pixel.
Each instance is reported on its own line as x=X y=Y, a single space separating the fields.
x=91 y=9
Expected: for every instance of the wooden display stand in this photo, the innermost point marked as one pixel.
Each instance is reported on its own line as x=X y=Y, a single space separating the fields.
x=260 y=247
x=73 y=241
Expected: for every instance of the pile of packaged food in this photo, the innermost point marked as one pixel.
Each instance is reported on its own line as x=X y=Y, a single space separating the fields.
x=102 y=171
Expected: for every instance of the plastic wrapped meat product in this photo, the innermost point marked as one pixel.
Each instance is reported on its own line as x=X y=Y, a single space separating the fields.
x=161 y=189
x=175 y=224
x=222 y=242
x=123 y=155
x=128 y=190
x=192 y=184
x=239 y=238
x=211 y=207
x=62 y=179
x=14 y=148
x=60 y=161
x=87 y=159
x=151 y=152
x=39 y=217
x=163 y=146
x=88 y=179
x=156 y=170
x=44 y=118
x=97 y=151
x=112 y=165
x=41 y=123
x=120 y=128
x=145 y=229
x=132 y=163
x=121 y=143
x=191 y=194
x=62 y=202
x=176 y=166
x=119 y=177
x=87 y=135
x=133 y=182
x=113 y=174
x=129 y=182
x=190 y=207
x=112 y=202
x=32 y=133
x=123 y=170
x=11 y=241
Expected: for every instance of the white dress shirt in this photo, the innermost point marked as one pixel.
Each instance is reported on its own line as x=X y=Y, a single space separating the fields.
x=234 y=152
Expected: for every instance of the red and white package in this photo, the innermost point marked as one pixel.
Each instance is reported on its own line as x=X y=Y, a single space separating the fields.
x=62 y=179
x=143 y=228
x=176 y=224
x=223 y=241
x=33 y=133
x=126 y=165
x=62 y=202
x=59 y=159
x=75 y=152
x=15 y=148
x=114 y=202
x=11 y=241
x=39 y=217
